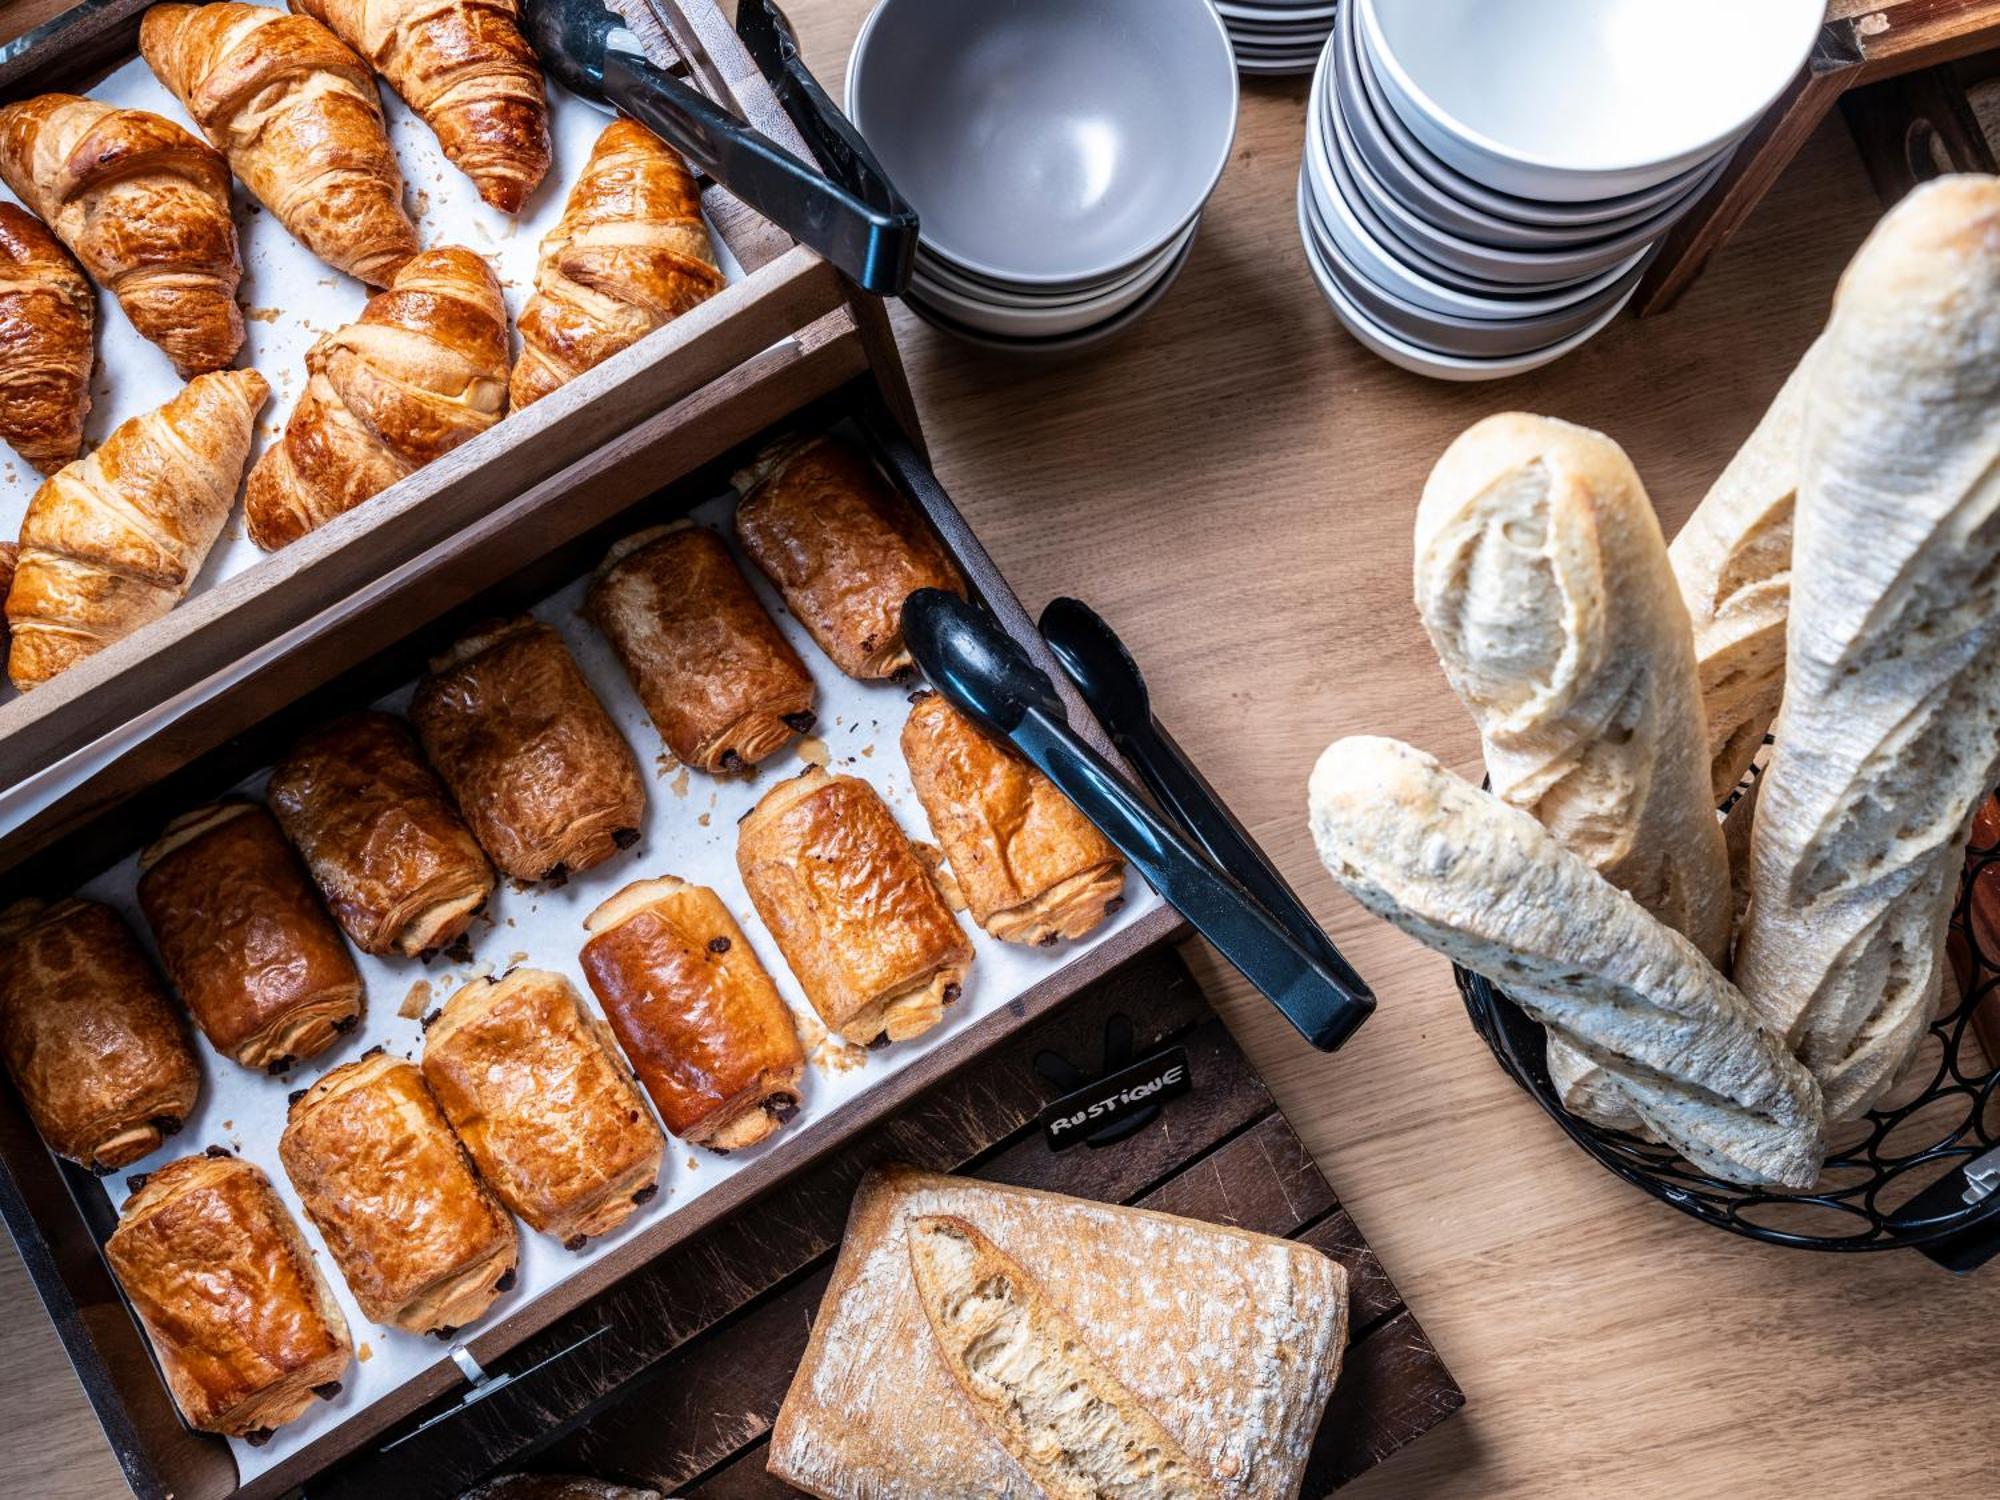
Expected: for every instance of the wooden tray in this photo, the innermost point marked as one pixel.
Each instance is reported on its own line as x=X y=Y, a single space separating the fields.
x=786 y=288
x=692 y=1356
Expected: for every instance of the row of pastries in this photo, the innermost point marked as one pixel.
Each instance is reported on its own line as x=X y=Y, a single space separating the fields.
x=525 y=1103
x=289 y=106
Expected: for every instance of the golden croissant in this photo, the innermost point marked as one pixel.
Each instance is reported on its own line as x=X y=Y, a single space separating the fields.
x=629 y=254
x=467 y=71
x=298 y=117
x=423 y=370
x=46 y=311
x=145 y=207
x=112 y=542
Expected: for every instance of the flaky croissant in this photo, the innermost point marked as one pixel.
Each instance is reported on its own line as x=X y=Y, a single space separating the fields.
x=297 y=115
x=423 y=370
x=46 y=311
x=629 y=254
x=465 y=68
x=112 y=542
x=145 y=207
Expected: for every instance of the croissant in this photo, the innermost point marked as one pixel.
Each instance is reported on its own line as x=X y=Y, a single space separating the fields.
x=465 y=68
x=9 y=552
x=424 y=370
x=629 y=254
x=145 y=207
x=112 y=542
x=45 y=352
x=298 y=117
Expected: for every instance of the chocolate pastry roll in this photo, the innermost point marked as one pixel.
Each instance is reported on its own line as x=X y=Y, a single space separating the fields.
x=843 y=547
x=696 y=1013
x=396 y=863
x=99 y=1053
x=854 y=909
x=545 y=1108
x=724 y=687
x=1033 y=868
x=244 y=938
x=532 y=759
x=415 y=1232
x=244 y=1325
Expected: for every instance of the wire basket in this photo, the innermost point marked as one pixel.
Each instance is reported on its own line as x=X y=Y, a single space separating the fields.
x=1941 y=1115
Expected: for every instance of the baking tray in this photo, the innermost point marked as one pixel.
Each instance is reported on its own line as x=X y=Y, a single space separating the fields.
x=59 y=1213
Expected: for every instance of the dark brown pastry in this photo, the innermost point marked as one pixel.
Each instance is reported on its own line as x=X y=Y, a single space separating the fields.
x=695 y=1012
x=396 y=863
x=244 y=939
x=724 y=688
x=1033 y=869
x=534 y=762
x=843 y=548
x=542 y=1103
x=97 y=1050
x=415 y=1232
x=242 y=1322
x=855 y=911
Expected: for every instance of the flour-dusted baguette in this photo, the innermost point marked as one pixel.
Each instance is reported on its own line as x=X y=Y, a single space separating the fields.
x=1489 y=887
x=1890 y=732
x=1542 y=578
x=1733 y=561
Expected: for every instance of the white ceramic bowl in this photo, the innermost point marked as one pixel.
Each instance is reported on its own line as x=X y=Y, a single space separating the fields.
x=1047 y=142
x=942 y=273
x=1063 y=344
x=1015 y=321
x=1572 y=100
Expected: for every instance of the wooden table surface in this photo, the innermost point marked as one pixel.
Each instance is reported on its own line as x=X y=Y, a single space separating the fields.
x=1232 y=485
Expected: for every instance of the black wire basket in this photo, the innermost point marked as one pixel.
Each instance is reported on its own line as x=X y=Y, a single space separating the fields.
x=1872 y=1195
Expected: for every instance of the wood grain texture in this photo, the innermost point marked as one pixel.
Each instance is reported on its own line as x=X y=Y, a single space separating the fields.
x=1233 y=486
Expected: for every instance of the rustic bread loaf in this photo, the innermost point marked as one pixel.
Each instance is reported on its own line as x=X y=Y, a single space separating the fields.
x=1543 y=580
x=1890 y=732
x=1489 y=887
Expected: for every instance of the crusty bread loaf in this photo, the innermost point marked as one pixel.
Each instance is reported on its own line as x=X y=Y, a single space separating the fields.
x=1489 y=887
x=1890 y=732
x=1543 y=580
x=1733 y=561
x=1225 y=1342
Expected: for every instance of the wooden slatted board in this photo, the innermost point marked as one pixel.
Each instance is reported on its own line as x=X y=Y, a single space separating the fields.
x=692 y=1355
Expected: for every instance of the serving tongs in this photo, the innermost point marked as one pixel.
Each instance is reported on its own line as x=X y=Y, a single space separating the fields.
x=1197 y=856
x=851 y=213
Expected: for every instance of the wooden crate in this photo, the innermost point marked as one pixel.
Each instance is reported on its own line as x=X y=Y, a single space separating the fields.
x=786 y=289
x=692 y=1355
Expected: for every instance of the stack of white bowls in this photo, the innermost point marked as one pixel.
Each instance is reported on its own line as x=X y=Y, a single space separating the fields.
x=1058 y=152
x=1277 y=36
x=1485 y=180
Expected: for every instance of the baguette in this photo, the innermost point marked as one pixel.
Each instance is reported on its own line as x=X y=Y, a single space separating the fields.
x=1490 y=888
x=1889 y=737
x=1733 y=562
x=1542 y=578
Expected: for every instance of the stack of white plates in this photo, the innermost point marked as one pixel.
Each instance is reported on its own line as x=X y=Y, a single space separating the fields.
x=1277 y=36
x=1059 y=155
x=1485 y=180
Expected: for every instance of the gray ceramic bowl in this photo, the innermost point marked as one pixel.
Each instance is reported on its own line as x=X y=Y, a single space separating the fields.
x=1069 y=343
x=1047 y=141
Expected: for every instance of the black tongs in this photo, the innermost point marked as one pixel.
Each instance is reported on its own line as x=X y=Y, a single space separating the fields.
x=851 y=213
x=1230 y=894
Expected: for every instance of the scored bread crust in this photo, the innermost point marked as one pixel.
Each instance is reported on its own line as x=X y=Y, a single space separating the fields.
x=1490 y=888
x=1890 y=732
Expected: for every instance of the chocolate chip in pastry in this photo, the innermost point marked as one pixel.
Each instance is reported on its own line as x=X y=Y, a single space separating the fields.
x=542 y=775
x=421 y=1241
x=843 y=548
x=99 y=1053
x=242 y=935
x=855 y=911
x=548 y=1113
x=245 y=1328
x=695 y=1012
x=396 y=863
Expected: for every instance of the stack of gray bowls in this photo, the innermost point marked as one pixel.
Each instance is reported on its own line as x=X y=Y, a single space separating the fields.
x=1474 y=251
x=1059 y=154
x=1277 y=36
